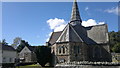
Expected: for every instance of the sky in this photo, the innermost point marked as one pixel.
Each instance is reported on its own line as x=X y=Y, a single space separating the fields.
x=35 y=21
x=59 y=0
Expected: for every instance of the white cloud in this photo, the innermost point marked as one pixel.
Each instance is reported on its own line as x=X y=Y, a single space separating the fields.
x=56 y=24
x=114 y=10
x=59 y=24
x=86 y=8
x=60 y=28
x=91 y=22
x=101 y=23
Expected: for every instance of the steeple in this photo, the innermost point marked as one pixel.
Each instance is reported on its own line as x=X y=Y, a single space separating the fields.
x=75 y=16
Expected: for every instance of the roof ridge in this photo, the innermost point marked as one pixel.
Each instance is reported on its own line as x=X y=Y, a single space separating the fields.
x=8 y=47
x=64 y=37
x=52 y=34
x=50 y=37
x=29 y=47
x=62 y=32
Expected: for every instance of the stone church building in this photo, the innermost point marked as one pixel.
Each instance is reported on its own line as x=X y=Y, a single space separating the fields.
x=79 y=43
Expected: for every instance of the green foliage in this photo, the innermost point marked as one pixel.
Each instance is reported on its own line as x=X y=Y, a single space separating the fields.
x=4 y=42
x=116 y=48
x=114 y=41
x=23 y=43
x=43 y=54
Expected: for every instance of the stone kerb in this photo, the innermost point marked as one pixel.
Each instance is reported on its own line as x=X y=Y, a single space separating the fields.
x=87 y=63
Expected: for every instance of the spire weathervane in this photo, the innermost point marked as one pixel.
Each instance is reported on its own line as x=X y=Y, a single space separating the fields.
x=75 y=15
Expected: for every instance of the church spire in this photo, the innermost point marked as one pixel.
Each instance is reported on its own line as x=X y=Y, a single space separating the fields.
x=75 y=16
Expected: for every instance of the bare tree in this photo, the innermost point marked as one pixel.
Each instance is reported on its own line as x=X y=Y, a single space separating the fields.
x=16 y=42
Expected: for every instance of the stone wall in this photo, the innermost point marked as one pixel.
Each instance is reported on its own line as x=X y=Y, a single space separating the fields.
x=78 y=52
x=99 y=53
x=87 y=66
x=116 y=57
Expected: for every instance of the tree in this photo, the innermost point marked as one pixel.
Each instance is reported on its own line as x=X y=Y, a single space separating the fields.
x=43 y=54
x=114 y=41
x=23 y=43
x=116 y=48
x=4 y=42
x=16 y=42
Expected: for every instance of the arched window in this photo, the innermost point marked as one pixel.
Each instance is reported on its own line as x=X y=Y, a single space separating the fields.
x=74 y=49
x=60 y=51
x=53 y=50
x=63 y=49
x=78 y=49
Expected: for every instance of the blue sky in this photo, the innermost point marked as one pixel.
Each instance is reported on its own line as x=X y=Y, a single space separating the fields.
x=29 y=20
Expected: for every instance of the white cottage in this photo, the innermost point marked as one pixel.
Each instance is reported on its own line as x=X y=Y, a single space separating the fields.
x=9 y=55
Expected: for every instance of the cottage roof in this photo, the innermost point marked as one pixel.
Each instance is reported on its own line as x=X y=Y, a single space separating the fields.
x=31 y=48
x=7 y=47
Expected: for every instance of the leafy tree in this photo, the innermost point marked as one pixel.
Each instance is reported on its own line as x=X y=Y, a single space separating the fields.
x=23 y=43
x=114 y=41
x=116 y=48
x=43 y=55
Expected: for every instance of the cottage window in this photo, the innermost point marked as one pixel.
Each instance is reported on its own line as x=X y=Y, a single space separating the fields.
x=4 y=59
x=10 y=59
x=25 y=54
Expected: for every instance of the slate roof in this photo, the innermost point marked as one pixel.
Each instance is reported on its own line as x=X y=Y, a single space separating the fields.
x=54 y=37
x=98 y=33
x=8 y=48
x=31 y=48
x=69 y=35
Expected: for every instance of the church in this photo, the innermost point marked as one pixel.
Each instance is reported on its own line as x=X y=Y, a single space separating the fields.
x=79 y=43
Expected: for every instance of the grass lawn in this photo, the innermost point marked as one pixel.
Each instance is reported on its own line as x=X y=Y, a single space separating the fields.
x=32 y=66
